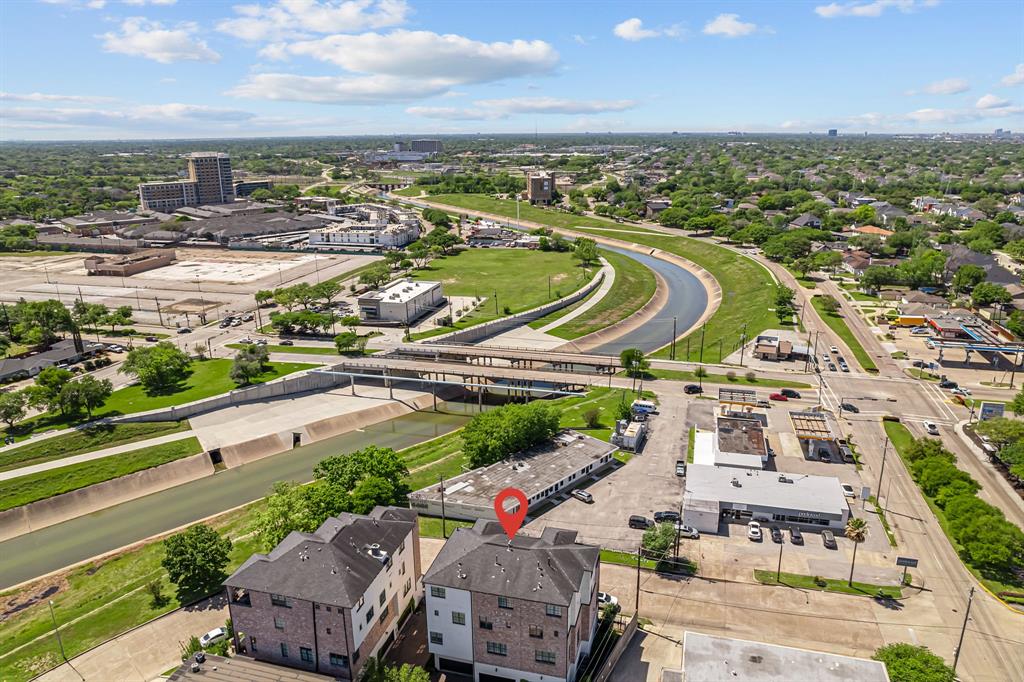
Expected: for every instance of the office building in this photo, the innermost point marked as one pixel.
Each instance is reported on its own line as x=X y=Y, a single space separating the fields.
x=209 y=182
x=244 y=188
x=512 y=611
x=426 y=146
x=403 y=301
x=327 y=601
x=540 y=188
x=132 y=264
x=832 y=132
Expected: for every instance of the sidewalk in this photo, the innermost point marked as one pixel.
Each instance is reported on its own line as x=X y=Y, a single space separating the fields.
x=602 y=291
x=97 y=454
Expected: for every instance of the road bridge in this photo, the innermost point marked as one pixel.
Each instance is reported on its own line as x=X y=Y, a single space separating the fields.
x=514 y=357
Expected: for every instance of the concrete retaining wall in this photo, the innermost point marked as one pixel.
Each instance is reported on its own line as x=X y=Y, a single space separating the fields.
x=495 y=327
x=59 y=508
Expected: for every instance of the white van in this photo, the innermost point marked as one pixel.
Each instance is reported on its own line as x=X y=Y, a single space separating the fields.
x=643 y=407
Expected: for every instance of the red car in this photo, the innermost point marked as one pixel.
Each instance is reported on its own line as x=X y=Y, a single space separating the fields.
x=777 y=396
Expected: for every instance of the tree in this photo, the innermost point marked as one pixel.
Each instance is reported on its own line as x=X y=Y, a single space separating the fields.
x=987 y=293
x=787 y=246
x=249 y=363
x=857 y=531
x=371 y=492
x=157 y=367
x=634 y=362
x=658 y=539
x=803 y=265
x=585 y=251
x=492 y=436
x=863 y=215
x=829 y=305
x=195 y=560
x=12 y=407
x=909 y=663
x=263 y=296
x=119 y=317
x=419 y=251
x=48 y=386
x=351 y=321
x=287 y=508
x=1015 y=323
x=1001 y=431
x=443 y=240
x=346 y=341
x=1017 y=404
x=967 y=277
x=327 y=290
x=345 y=471
x=827 y=260
x=87 y=392
x=376 y=275
x=377 y=670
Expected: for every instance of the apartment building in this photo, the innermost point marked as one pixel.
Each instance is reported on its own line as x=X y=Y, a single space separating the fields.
x=209 y=182
x=540 y=188
x=328 y=601
x=502 y=611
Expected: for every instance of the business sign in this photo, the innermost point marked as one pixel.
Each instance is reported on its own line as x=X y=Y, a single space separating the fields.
x=906 y=561
x=992 y=410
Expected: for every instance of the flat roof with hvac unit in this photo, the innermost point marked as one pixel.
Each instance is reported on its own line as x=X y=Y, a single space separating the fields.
x=737 y=396
x=811 y=426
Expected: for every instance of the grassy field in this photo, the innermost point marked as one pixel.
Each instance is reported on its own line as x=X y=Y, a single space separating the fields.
x=740 y=378
x=605 y=401
x=634 y=285
x=430 y=526
x=691 y=439
x=39 y=486
x=535 y=214
x=806 y=582
x=86 y=440
x=303 y=350
x=520 y=279
x=610 y=556
x=836 y=322
x=901 y=439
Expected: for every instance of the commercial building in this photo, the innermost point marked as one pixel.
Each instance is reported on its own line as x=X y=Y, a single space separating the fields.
x=244 y=188
x=329 y=600
x=519 y=610
x=709 y=658
x=366 y=225
x=737 y=441
x=426 y=146
x=540 y=472
x=105 y=222
x=209 y=182
x=403 y=301
x=540 y=188
x=769 y=347
x=716 y=494
x=132 y=264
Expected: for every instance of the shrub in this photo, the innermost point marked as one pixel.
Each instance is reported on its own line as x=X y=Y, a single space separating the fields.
x=750 y=376
x=819 y=581
x=592 y=418
x=730 y=375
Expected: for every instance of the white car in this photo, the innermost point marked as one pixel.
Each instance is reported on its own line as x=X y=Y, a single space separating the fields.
x=213 y=636
x=754 y=531
x=833 y=349
x=583 y=496
x=605 y=598
x=960 y=391
x=848 y=490
x=687 y=531
x=931 y=428
x=929 y=344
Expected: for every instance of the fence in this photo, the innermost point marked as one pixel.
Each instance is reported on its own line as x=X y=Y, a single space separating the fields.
x=605 y=672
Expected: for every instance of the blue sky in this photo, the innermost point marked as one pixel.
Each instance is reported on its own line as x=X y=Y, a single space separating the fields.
x=104 y=69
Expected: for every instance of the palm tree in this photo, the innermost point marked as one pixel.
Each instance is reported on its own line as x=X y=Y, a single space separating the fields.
x=856 y=530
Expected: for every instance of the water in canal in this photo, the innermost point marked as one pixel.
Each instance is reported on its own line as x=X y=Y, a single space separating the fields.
x=49 y=549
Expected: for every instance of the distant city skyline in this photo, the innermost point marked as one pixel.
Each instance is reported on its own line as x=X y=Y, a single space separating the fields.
x=141 y=69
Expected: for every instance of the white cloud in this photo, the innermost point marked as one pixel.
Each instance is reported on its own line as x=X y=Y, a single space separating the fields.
x=579 y=40
x=947 y=86
x=139 y=3
x=1015 y=78
x=929 y=118
x=47 y=97
x=452 y=113
x=140 y=37
x=489 y=109
x=100 y=4
x=870 y=9
x=729 y=26
x=633 y=30
x=991 y=102
x=151 y=114
x=337 y=89
x=302 y=18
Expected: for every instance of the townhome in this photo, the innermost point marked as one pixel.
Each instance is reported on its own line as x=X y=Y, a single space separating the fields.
x=512 y=611
x=328 y=601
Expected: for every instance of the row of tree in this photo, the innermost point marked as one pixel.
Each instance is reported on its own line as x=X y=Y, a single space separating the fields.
x=492 y=436
x=303 y=294
x=55 y=390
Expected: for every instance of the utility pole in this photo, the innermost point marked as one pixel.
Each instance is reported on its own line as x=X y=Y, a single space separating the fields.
x=495 y=303
x=672 y=353
x=963 y=629
x=7 y=320
x=778 y=570
x=878 y=488
x=639 y=553
x=743 y=342
x=678 y=525
x=158 y=313
x=56 y=632
x=703 y=327
x=444 y=522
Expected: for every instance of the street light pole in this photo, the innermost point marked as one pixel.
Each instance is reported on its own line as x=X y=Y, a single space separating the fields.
x=673 y=352
x=444 y=522
x=703 y=327
x=963 y=629
x=778 y=570
x=56 y=632
x=885 y=450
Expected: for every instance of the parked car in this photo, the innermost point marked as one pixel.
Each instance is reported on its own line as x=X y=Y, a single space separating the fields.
x=929 y=343
x=605 y=598
x=848 y=490
x=213 y=636
x=778 y=396
x=776 y=535
x=834 y=350
x=247 y=317
x=847 y=454
x=790 y=393
x=825 y=357
x=763 y=404
x=583 y=496
x=795 y=536
x=843 y=367
x=691 y=389
x=236 y=323
x=828 y=539
x=666 y=517
x=639 y=522
x=687 y=531
x=832 y=366
x=919 y=363
x=920 y=331
x=932 y=428
x=824 y=455
x=680 y=467
x=849 y=407
x=754 y=531
x=840 y=359
x=246 y=340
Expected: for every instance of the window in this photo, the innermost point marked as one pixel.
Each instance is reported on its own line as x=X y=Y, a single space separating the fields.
x=306 y=654
x=458 y=618
x=436 y=638
x=437 y=592
x=504 y=603
x=252 y=644
x=369 y=615
x=328 y=631
x=339 y=661
x=401 y=569
x=316 y=607
x=486 y=624
x=544 y=657
x=278 y=623
x=383 y=614
x=401 y=548
x=552 y=610
x=359 y=604
x=536 y=631
x=355 y=657
x=280 y=600
x=408 y=586
x=328 y=609
x=382 y=598
x=284 y=650
x=497 y=649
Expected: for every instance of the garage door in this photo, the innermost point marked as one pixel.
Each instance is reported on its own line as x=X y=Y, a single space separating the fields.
x=455 y=666
x=494 y=678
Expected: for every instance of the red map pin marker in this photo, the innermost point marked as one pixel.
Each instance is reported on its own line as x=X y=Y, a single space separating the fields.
x=510 y=521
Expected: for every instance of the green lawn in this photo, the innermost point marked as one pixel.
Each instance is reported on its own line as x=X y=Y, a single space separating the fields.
x=806 y=582
x=605 y=401
x=520 y=278
x=610 y=556
x=545 y=216
x=805 y=281
x=836 y=322
x=39 y=486
x=303 y=350
x=740 y=378
x=430 y=526
x=634 y=285
x=691 y=440
x=748 y=295
x=86 y=440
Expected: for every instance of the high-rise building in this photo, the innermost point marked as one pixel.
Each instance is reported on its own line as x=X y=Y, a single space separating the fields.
x=428 y=146
x=832 y=132
x=540 y=188
x=209 y=182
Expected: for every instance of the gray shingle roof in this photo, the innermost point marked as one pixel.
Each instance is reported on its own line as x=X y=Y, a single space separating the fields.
x=547 y=569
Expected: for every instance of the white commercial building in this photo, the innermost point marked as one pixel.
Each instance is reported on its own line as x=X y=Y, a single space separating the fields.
x=364 y=225
x=717 y=494
x=736 y=442
x=403 y=301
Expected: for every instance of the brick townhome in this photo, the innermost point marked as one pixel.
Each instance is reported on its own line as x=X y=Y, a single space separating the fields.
x=510 y=612
x=328 y=601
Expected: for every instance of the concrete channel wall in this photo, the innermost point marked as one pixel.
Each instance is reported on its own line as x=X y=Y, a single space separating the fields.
x=495 y=327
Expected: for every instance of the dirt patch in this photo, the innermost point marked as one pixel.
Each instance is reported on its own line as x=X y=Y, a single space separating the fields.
x=560 y=277
x=18 y=601
x=192 y=305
